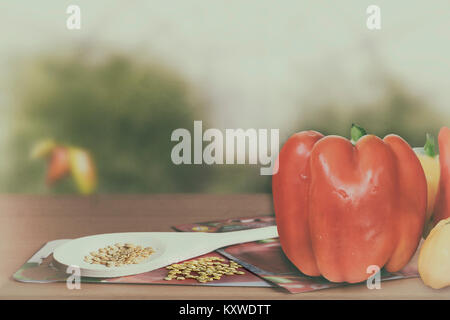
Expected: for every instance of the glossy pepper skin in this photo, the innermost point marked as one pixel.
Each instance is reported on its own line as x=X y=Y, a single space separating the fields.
x=442 y=206
x=342 y=207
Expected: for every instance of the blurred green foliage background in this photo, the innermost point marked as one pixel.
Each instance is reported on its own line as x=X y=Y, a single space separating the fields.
x=397 y=110
x=134 y=72
x=123 y=111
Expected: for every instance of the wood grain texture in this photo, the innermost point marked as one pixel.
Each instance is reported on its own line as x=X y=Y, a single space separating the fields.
x=28 y=221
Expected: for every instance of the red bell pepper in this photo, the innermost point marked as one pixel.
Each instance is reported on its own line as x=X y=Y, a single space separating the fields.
x=442 y=206
x=342 y=207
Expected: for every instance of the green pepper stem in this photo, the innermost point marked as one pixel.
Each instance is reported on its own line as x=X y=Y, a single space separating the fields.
x=356 y=132
x=430 y=146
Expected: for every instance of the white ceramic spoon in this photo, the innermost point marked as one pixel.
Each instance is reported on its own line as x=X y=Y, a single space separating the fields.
x=170 y=247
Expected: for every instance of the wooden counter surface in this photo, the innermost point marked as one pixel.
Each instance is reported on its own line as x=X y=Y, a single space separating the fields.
x=28 y=221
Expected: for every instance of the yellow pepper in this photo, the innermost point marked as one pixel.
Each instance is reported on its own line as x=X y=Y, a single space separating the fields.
x=42 y=148
x=434 y=256
x=430 y=164
x=83 y=170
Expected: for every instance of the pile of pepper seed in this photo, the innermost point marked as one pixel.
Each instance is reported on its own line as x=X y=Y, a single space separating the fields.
x=118 y=255
x=203 y=269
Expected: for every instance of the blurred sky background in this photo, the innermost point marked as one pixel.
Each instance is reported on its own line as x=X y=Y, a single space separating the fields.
x=252 y=63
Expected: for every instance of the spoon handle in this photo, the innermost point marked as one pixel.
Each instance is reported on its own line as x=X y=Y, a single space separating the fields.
x=234 y=237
